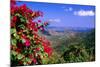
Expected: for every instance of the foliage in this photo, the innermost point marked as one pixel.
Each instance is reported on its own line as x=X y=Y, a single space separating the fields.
x=83 y=51
x=89 y=41
x=27 y=46
x=75 y=53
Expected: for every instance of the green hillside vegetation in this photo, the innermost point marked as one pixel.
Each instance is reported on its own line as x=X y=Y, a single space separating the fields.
x=83 y=51
x=77 y=48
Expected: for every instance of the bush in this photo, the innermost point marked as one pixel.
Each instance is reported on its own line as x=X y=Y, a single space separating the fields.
x=76 y=53
x=27 y=46
x=83 y=51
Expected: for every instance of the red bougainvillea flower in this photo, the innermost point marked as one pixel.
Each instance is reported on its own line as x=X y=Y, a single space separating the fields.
x=20 y=62
x=23 y=8
x=38 y=49
x=40 y=13
x=30 y=56
x=23 y=36
x=36 y=36
x=20 y=45
x=42 y=29
x=14 y=10
x=27 y=42
x=34 y=61
x=29 y=11
x=18 y=50
x=32 y=26
x=37 y=41
x=13 y=2
x=39 y=21
x=13 y=21
x=46 y=23
x=47 y=48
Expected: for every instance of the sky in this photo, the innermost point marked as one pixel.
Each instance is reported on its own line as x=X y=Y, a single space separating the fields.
x=64 y=15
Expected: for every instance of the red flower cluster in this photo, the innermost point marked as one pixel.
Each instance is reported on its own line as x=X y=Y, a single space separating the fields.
x=32 y=26
x=34 y=61
x=24 y=11
x=13 y=21
x=47 y=46
x=13 y=2
x=26 y=41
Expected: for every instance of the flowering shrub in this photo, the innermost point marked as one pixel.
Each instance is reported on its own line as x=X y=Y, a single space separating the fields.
x=27 y=46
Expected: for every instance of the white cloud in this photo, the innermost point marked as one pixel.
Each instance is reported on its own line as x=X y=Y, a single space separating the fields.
x=84 y=13
x=54 y=20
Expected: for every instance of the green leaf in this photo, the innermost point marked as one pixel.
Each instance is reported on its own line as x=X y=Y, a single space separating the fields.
x=13 y=30
x=25 y=63
x=27 y=59
x=16 y=36
x=45 y=60
x=13 y=53
x=23 y=40
x=21 y=17
x=22 y=20
x=18 y=15
x=13 y=41
x=21 y=26
x=19 y=56
x=46 y=54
